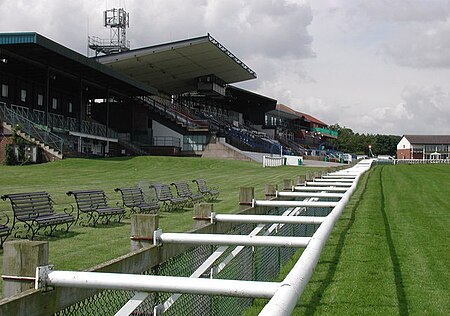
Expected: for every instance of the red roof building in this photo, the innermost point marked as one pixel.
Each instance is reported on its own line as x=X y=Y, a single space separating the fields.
x=298 y=127
x=424 y=147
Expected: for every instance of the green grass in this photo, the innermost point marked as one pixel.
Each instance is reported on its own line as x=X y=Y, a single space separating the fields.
x=389 y=253
x=85 y=247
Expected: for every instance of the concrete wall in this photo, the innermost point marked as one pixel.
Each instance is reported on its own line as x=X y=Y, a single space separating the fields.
x=217 y=150
x=161 y=130
x=35 y=302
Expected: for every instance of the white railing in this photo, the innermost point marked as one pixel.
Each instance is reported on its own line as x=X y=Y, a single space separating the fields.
x=419 y=161
x=269 y=161
x=284 y=295
x=292 y=287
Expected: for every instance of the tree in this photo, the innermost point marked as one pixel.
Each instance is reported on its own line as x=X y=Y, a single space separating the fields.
x=356 y=143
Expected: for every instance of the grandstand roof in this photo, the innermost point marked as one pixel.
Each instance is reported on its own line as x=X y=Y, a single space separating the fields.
x=289 y=113
x=41 y=52
x=428 y=139
x=174 y=67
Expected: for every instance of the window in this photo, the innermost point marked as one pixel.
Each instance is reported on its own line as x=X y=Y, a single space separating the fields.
x=4 y=90
x=23 y=95
x=54 y=103
x=70 y=107
x=88 y=109
x=194 y=142
x=40 y=99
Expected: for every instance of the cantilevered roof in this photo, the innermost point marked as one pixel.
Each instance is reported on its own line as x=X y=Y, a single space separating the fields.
x=34 y=49
x=174 y=67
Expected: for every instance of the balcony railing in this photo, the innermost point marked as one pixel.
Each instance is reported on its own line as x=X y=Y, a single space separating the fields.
x=166 y=141
x=326 y=131
x=57 y=121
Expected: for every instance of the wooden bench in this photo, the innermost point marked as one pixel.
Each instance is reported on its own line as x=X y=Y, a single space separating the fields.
x=165 y=196
x=93 y=205
x=210 y=194
x=35 y=211
x=133 y=198
x=5 y=231
x=184 y=191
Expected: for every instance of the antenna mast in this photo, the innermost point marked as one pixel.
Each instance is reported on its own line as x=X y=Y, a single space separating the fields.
x=117 y=20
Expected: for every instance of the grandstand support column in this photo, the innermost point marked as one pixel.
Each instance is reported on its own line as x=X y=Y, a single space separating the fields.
x=142 y=229
x=81 y=110
x=107 y=120
x=20 y=260
x=47 y=93
x=132 y=120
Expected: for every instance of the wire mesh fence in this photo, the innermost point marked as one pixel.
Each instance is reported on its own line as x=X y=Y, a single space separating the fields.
x=247 y=263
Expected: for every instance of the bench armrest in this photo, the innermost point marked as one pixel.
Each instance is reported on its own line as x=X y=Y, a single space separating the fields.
x=2 y=216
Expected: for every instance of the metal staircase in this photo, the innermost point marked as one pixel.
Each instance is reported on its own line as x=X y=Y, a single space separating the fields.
x=32 y=132
x=174 y=112
x=295 y=147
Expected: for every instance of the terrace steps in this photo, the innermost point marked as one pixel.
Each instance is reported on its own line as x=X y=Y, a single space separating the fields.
x=52 y=152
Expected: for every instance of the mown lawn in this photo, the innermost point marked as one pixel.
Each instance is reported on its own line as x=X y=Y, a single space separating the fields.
x=390 y=252
x=85 y=247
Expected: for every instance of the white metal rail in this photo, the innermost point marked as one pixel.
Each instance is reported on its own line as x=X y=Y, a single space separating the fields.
x=161 y=308
x=292 y=287
x=228 y=240
x=338 y=179
x=154 y=283
x=308 y=194
x=323 y=188
x=284 y=295
x=139 y=297
x=292 y=203
x=266 y=219
x=331 y=184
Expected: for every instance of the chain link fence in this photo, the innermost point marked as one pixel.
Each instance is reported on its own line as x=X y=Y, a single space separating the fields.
x=249 y=263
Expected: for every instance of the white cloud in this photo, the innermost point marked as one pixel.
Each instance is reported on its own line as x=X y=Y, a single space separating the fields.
x=373 y=66
x=420 y=46
x=410 y=33
x=405 y=10
x=273 y=29
x=422 y=110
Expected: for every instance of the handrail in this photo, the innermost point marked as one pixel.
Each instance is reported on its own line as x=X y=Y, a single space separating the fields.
x=166 y=141
x=171 y=110
x=34 y=130
x=295 y=146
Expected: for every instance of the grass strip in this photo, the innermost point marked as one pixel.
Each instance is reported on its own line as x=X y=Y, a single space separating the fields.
x=389 y=252
x=84 y=247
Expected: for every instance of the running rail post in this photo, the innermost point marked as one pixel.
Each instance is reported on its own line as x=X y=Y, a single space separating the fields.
x=292 y=287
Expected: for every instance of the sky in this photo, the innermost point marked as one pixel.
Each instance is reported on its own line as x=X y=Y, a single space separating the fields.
x=375 y=66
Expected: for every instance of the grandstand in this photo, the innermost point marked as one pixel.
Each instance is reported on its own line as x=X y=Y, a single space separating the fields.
x=302 y=132
x=424 y=147
x=167 y=99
